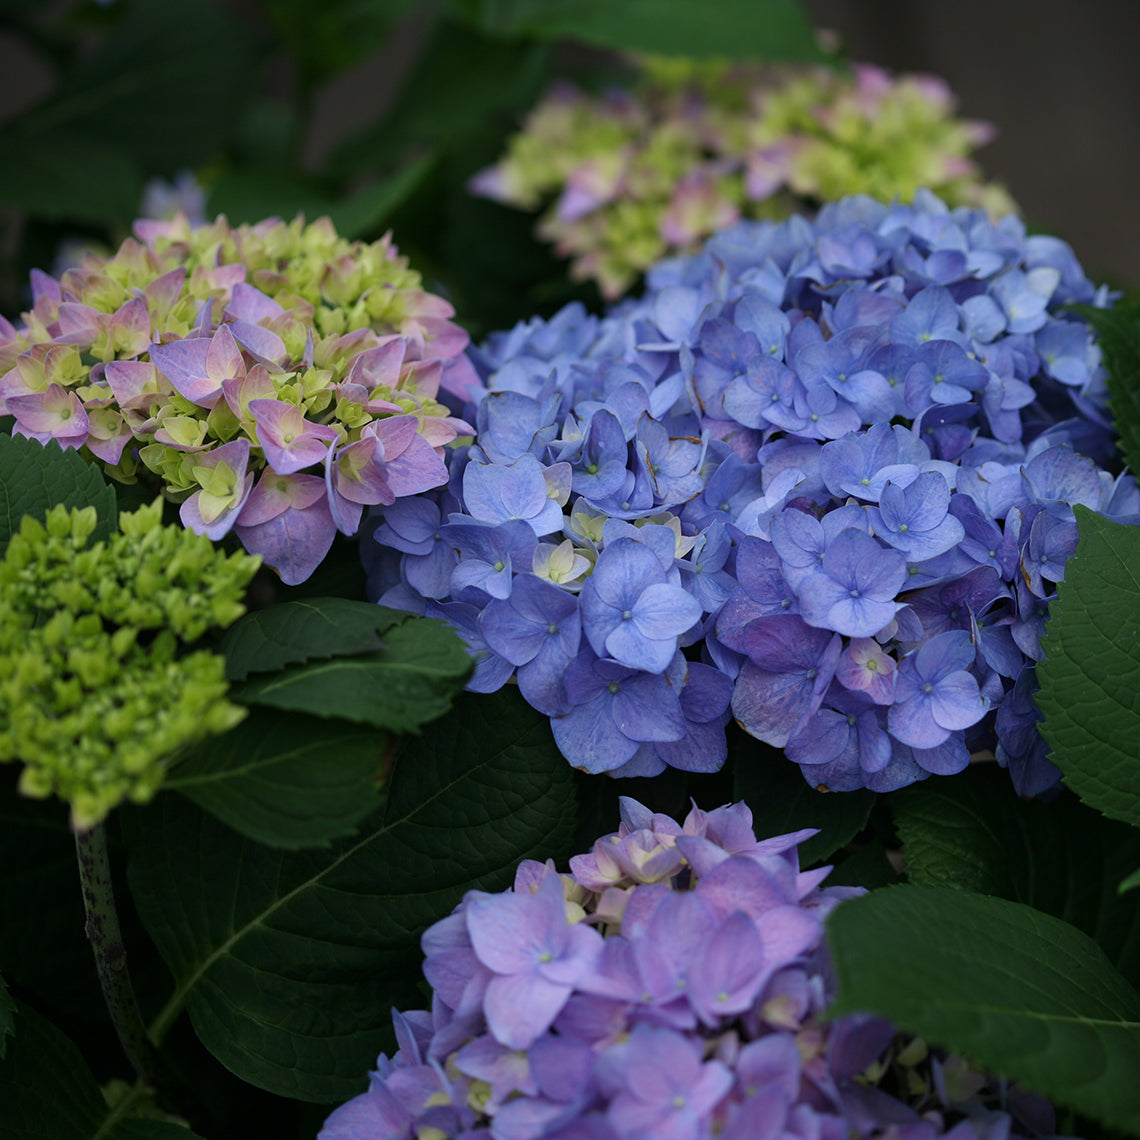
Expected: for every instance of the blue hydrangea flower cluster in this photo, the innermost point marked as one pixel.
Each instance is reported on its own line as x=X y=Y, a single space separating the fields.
x=819 y=478
x=671 y=986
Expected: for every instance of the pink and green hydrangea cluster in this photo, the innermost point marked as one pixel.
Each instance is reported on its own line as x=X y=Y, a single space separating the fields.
x=275 y=379
x=634 y=176
x=672 y=985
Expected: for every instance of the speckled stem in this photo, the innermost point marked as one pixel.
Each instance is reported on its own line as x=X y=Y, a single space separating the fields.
x=110 y=955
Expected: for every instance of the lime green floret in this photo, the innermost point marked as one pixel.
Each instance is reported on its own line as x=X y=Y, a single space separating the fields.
x=98 y=693
x=301 y=265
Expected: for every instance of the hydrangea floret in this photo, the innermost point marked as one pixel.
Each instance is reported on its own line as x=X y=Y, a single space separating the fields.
x=634 y=176
x=98 y=690
x=820 y=478
x=274 y=379
x=673 y=985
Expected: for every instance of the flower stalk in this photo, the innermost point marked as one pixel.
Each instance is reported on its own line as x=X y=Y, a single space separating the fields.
x=106 y=938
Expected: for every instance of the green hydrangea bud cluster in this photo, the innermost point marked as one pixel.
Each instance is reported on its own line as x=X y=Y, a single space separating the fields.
x=96 y=695
x=638 y=175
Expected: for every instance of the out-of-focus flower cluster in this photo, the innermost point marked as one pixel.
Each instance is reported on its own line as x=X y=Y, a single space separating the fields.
x=96 y=695
x=639 y=175
x=671 y=985
x=822 y=473
x=275 y=378
x=164 y=200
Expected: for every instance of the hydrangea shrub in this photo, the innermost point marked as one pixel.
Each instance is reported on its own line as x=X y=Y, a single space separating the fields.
x=820 y=478
x=274 y=379
x=673 y=984
x=638 y=175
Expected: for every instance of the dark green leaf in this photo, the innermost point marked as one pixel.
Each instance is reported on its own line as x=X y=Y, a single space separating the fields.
x=34 y=477
x=1064 y=858
x=470 y=235
x=163 y=86
x=251 y=193
x=459 y=81
x=293 y=632
x=7 y=1018
x=736 y=29
x=411 y=681
x=45 y=1086
x=368 y=208
x=248 y=194
x=48 y=1093
x=1013 y=989
x=868 y=867
x=782 y=801
x=1131 y=882
x=42 y=947
x=284 y=779
x=266 y=139
x=1118 y=330
x=44 y=952
x=1091 y=672
x=17 y=9
x=324 y=41
x=962 y=832
x=141 y=1128
x=43 y=183
x=289 y=963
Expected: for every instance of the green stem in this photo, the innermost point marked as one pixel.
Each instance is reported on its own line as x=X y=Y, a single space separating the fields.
x=166 y=1018
x=110 y=955
x=123 y=1110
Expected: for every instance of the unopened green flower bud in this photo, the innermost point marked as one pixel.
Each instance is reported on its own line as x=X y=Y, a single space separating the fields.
x=914 y=1052
x=95 y=711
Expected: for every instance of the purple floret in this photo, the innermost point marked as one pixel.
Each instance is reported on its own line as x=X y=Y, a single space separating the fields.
x=631 y=611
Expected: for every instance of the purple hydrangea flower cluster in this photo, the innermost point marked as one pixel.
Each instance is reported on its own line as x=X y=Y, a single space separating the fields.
x=819 y=478
x=671 y=986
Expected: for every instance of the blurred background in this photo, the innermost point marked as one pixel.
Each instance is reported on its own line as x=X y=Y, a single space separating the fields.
x=1060 y=82
x=378 y=112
